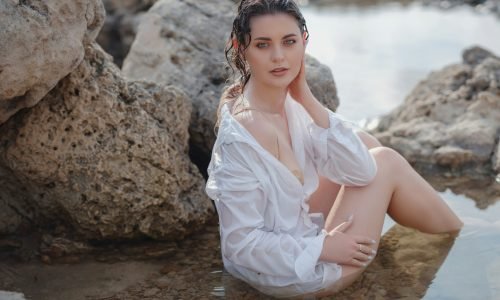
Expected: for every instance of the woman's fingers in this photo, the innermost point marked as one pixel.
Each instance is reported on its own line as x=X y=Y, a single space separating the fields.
x=364 y=240
x=362 y=257
x=357 y=263
x=365 y=249
x=365 y=245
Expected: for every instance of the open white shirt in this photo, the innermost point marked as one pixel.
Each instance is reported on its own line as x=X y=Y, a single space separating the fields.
x=268 y=237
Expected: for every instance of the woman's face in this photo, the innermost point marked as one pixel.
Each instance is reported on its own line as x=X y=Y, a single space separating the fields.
x=276 y=50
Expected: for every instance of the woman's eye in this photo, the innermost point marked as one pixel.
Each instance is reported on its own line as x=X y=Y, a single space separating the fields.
x=261 y=45
x=289 y=42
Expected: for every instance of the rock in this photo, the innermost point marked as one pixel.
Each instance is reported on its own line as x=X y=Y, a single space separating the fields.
x=6 y=295
x=489 y=6
x=33 y=62
x=120 y=26
x=450 y=155
x=10 y=218
x=492 y=6
x=151 y=292
x=59 y=247
x=127 y=6
x=162 y=282
x=475 y=55
x=357 y=3
x=106 y=156
x=189 y=55
x=451 y=121
x=495 y=160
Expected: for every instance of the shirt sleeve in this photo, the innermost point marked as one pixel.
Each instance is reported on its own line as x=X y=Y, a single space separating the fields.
x=245 y=241
x=338 y=152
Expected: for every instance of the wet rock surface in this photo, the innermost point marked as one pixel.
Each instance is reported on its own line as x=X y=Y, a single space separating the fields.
x=450 y=122
x=105 y=156
x=33 y=62
x=190 y=56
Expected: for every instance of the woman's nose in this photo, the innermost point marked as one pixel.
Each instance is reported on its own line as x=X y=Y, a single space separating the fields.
x=277 y=54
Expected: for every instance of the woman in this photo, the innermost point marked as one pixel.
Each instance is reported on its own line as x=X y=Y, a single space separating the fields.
x=300 y=192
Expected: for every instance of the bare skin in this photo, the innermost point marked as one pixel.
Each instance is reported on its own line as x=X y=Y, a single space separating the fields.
x=397 y=189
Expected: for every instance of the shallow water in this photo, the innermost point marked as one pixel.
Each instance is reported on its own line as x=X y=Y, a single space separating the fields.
x=408 y=265
x=471 y=269
x=379 y=53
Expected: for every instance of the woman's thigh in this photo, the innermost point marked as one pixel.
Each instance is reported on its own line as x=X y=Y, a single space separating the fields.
x=323 y=198
x=367 y=203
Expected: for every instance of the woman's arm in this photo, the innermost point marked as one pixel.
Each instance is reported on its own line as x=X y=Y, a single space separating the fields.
x=339 y=154
x=336 y=149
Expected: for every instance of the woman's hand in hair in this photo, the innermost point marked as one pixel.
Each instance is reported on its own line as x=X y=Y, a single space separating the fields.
x=298 y=88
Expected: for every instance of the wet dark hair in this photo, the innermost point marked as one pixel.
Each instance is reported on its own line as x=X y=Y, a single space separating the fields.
x=247 y=9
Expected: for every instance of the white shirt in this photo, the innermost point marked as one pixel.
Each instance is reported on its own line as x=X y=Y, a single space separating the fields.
x=268 y=237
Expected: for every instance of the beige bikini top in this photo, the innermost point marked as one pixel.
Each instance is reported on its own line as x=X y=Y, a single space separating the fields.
x=296 y=172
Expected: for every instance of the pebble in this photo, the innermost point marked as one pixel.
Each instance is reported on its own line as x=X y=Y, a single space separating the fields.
x=163 y=282
x=151 y=292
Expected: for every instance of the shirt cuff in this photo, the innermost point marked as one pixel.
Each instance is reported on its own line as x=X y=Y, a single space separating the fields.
x=305 y=264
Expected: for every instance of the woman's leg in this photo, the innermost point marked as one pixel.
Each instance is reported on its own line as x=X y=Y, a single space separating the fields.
x=326 y=193
x=396 y=189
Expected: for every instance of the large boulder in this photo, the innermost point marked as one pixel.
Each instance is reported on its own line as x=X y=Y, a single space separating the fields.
x=40 y=43
x=450 y=122
x=105 y=155
x=190 y=55
x=120 y=26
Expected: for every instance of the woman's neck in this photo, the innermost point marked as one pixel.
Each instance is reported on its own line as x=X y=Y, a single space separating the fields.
x=265 y=98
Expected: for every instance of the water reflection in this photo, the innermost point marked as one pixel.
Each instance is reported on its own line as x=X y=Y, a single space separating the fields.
x=379 y=53
x=472 y=270
x=405 y=266
x=484 y=192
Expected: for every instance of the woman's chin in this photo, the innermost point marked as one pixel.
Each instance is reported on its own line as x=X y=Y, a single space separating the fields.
x=279 y=82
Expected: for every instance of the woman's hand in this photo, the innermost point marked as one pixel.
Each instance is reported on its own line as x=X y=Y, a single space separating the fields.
x=298 y=88
x=346 y=249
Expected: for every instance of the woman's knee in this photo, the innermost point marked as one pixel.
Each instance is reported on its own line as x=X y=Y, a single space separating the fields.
x=387 y=158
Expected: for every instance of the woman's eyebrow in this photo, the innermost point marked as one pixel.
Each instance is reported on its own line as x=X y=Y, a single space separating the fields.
x=269 y=39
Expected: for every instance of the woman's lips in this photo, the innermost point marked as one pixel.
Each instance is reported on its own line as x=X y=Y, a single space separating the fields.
x=279 y=71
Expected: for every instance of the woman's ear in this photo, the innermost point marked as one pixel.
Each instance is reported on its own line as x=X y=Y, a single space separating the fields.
x=305 y=38
x=235 y=44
